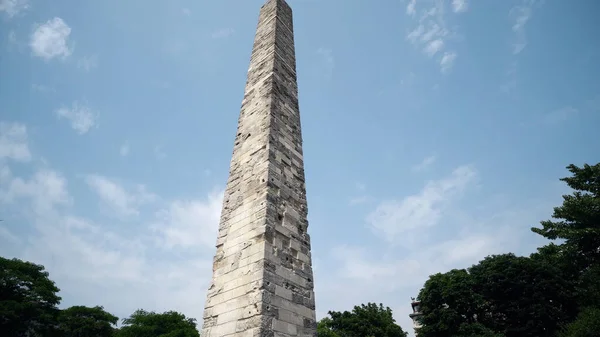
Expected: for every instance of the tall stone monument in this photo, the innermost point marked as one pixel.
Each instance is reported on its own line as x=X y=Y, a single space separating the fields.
x=262 y=275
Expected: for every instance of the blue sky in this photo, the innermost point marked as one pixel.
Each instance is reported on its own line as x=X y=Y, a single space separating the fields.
x=434 y=134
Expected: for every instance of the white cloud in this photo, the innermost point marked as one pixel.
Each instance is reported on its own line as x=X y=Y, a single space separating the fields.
x=87 y=63
x=124 y=150
x=99 y=265
x=13 y=7
x=49 y=40
x=427 y=162
x=459 y=6
x=392 y=218
x=81 y=117
x=190 y=223
x=117 y=198
x=410 y=8
x=47 y=189
x=447 y=61
x=416 y=33
x=13 y=142
x=521 y=15
x=433 y=47
x=431 y=33
x=222 y=33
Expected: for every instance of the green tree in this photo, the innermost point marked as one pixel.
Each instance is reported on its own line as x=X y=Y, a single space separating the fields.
x=577 y=224
x=449 y=304
x=505 y=295
x=28 y=305
x=324 y=330
x=522 y=297
x=80 y=321
x=476 y=330
x=587 y=324
x=150 y=324
x=578 y=218
x=370 y=320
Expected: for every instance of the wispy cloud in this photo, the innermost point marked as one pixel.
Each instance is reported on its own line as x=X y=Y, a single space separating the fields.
x=433 y=47
x=394 y=217
x=222 y=33
x=520 y=15
x=410 y=8
x=426 y=163
x=50 y=40
x=179 y=225
x=13 y=142
x=81 y=117
x=13 y=7
x=87 y=63
x=117 y=198
x=431 y=33
x=459 y=6
x=447 y=61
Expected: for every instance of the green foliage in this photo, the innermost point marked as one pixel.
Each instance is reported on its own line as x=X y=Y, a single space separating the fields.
x=150 y=324
x=448 y=301
x=368 y=320
x=579 y=215
x=476 y=330
x=506 y=294
x=324 y=330
x=587 y=324
x=80 y=321
x=523 y=297
x=29 y=299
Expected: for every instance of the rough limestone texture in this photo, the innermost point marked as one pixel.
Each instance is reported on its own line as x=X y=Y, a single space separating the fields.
x=262 y=275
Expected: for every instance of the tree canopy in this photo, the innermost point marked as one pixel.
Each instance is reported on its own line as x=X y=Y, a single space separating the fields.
x=370 y=320
x=150 y=324
x=578 y=218
x=29 y=299
x=80 y=321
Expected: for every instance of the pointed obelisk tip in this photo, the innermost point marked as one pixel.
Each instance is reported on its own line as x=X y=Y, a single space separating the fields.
x=278 y=3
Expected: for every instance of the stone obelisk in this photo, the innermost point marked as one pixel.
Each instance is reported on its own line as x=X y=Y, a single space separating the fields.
x=262 y=281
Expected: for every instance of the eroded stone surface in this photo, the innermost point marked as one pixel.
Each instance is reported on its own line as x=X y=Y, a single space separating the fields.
x=262 y=275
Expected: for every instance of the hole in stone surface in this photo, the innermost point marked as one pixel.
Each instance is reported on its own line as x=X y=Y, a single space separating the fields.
x=279 y=217
x=309 y=280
